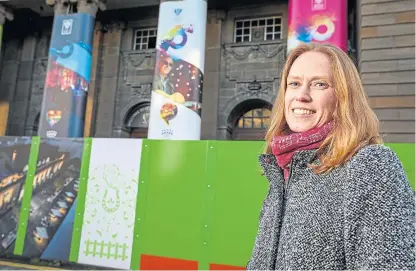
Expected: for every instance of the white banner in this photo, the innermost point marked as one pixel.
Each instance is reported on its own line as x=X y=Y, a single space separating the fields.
x=110 y=206
x=179 y=72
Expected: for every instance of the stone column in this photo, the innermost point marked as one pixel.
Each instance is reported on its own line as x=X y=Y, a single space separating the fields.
x=109 y=74
x=212 y=73
x=4 y=95
x=69 y=68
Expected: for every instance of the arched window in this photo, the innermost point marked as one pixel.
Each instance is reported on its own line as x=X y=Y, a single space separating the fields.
x=258 y=118
x=138 y=121
x=250 y=120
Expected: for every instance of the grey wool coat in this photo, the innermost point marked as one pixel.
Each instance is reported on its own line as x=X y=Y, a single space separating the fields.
x=359 y=216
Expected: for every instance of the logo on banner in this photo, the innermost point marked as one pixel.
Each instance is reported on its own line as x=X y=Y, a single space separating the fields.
x=318 y=4
x=67 y=27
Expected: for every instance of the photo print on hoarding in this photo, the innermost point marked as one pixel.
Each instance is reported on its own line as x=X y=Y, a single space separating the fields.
x=14 y=158
x=53 y=202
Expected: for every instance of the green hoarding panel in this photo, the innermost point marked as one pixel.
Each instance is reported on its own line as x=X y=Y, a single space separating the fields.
x=406 y=154
x=239 y=190
x=174 y=199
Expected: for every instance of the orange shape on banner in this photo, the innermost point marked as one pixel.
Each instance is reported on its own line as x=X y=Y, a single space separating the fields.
x=148 y=262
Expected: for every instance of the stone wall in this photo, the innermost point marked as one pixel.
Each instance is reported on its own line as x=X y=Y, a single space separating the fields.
x=386 y=51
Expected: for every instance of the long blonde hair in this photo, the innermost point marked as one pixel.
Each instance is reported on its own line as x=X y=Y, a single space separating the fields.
x=356 y=125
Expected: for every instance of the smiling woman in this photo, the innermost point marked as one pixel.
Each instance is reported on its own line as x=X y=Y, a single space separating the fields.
x=338 y=198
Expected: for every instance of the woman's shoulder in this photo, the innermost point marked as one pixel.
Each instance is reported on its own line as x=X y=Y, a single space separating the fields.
x=377 y=165
x=375 y=154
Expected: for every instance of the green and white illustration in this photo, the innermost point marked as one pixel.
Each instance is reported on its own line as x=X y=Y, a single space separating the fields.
x=107 y=230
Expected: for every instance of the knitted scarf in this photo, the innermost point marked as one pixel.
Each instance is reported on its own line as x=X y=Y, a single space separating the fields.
x=285 y=146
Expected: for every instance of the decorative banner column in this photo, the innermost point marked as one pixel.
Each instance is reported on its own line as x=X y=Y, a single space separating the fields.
x=175 y=110
x=68 y=71
x=323 y=21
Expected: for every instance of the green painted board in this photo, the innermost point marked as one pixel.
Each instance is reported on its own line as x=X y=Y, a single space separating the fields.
x=406 y=154
x=174 y=198
x=239 y=190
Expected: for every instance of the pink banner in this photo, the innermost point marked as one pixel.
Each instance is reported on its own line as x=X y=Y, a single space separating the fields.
x=323 y=21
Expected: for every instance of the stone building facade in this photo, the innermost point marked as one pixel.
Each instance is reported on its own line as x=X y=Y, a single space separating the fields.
x=242 y=72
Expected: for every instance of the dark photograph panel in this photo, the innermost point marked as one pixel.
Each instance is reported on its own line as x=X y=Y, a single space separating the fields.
x=14 y=157
x=53 y=203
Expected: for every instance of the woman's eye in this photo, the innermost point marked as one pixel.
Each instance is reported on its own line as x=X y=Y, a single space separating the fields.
x=293 y=84
x=320 y=85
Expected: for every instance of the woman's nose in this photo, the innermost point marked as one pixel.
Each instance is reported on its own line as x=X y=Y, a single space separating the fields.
x=303 y=95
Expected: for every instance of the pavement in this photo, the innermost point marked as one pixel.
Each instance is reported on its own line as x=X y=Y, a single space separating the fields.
x=12 y=265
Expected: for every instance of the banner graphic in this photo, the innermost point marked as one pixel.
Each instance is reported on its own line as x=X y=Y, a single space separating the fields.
x=55 y=189
x=323 y=21
x=67 y=77
x=110 y=206
x=14 y=158
x=175 y=110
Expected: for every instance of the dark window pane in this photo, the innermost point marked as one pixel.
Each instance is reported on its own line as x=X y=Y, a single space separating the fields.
x=254 y=23
x=144 y=40
x=247 y=31
x=246 y=38
x=277 y=36
x=145 y=33
x=152 y=42
x=247 y=24
x=269 y=37
x=138 y=33
x=277 y=21
x=239 y=32
x=238 y=39
x=269 y=29
x=239 y=24
x=270 y=21
x=262 y=22
x=277 y=28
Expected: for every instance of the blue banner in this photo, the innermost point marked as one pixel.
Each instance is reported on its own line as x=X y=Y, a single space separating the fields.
x=68 y=76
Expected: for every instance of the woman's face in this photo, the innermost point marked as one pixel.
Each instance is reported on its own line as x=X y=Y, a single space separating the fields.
x=310 y=98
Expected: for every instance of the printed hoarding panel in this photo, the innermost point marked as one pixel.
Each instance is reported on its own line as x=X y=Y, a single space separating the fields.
x=54 y=192
x=14 y=159
x=109 y=215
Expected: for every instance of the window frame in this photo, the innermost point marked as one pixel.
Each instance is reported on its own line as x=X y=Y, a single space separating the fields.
x=138 y=46
x=257 y=21
x=244 y=117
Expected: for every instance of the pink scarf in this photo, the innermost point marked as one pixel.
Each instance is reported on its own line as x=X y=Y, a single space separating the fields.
x=284 y=147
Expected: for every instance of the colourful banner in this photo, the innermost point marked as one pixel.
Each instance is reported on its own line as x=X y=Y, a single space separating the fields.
x=175 y=111
x=322 y=21
x=68 y=76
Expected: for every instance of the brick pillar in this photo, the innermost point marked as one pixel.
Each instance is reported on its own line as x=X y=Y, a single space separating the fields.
x=211 y=90
x=92 y=90
x=107 y=87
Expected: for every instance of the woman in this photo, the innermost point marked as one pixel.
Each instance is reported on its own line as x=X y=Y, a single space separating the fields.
x=337 y=198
